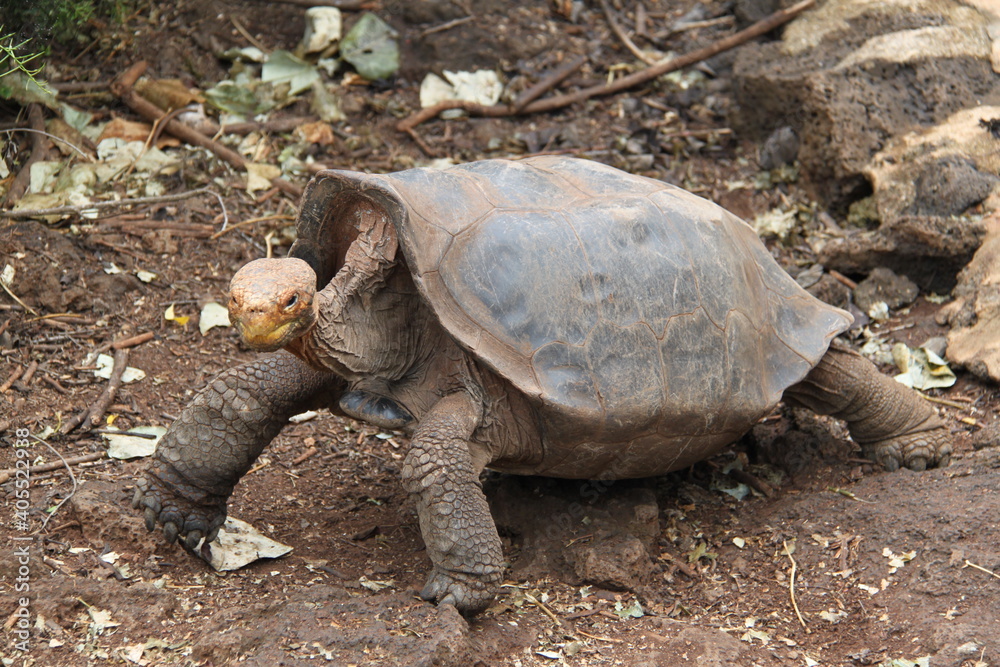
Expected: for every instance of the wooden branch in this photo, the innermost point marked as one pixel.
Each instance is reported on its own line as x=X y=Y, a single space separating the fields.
x=46 y=467
x=39 y=151
x=547 y=83
x=623 y=36
x=762 y=27
x=99 y=205
x=347 y=5
x=89 y=416
x=122 y=87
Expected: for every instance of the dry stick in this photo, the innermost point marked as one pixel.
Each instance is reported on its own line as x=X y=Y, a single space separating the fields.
x=791 y=587
x=45 y=467
x=89 y=416
x=969 y=563
x=29 y=373
x=62 y=502
x=349 y=5
x=245 y=223
x=623 y=36
x=39 y=149
x=305 y=455
x=448 y=25
x=138 y=339
x=280 y=125
x=102 y=205
x=643 y=76
x=547 y=83
x=122 y=87
x=14 y=375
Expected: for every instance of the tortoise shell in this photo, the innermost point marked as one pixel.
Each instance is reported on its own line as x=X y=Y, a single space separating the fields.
x=621 y=306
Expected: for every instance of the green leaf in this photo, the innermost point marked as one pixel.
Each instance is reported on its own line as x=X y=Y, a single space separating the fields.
x=370 y=48
x=283 y=67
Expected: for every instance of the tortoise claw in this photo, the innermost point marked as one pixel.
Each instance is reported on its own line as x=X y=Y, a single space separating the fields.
x=192 y=539
x=170 y=532
x=149 y=514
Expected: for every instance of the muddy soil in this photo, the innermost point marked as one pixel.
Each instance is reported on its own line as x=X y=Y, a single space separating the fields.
x=824 y=559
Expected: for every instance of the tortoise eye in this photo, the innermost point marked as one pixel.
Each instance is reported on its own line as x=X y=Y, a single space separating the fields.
x=292 y=300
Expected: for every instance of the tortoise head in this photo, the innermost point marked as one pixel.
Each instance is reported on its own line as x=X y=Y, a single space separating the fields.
x=272 y=302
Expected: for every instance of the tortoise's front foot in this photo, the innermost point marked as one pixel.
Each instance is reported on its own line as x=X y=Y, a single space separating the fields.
x=183 y=510
x=470 y=594
x=916 y=451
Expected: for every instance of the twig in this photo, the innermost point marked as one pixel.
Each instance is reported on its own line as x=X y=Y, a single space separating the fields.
x=791 y=587
x=80 y=86
x=122 y=87
x=50 y=136
x=842 y=279
x=14 y=375
x=599 y=638
x=246 y=35
x=681 y=565
x=304 y=455
x=279 y=125
x=91 y=415
x=707 y=23
x=132 y=341
x=643 y=76
x=14 y=296
x=547 y=83
x=448 y=25
x=942 y=401
x=623 y=36
x=849 y=494
x=246 y=223
x=45 y=467
x=349 y=5
x=62 y=502
x=29 y=372
x=752 y=481
x=39 y=149
x=969 y=563
x=545 y=610
x=190 y=229
x=102 y=205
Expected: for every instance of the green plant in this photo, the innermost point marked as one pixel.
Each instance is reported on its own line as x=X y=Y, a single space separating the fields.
x=11 y=60
x=57 y=20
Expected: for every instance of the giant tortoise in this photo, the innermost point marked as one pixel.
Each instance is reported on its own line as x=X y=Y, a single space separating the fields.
x=548 y=316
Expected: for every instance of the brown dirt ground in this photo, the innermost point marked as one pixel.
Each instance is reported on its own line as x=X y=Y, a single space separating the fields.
x=667 y=543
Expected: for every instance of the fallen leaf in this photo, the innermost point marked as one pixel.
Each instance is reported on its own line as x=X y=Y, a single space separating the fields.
x=480 y=87
x=634 y=610
x=369 y=46
x=921 y=368
x=283 y=67
x=239 y=544
x=213 y=315
x=169 y=314
x=100 y=620
x=375 y=584
x=259 y=176
x=316 y=133
x=106 y=364
x=324 y=27
x=124 y=446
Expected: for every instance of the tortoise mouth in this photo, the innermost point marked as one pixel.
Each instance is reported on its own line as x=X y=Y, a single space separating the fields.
x=260 y=334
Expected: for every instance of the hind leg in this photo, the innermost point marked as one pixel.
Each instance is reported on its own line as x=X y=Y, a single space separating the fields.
x=892 y=423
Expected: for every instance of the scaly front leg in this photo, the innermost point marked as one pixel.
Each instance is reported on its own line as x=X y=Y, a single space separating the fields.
x=217 y=438
x=443 y=476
